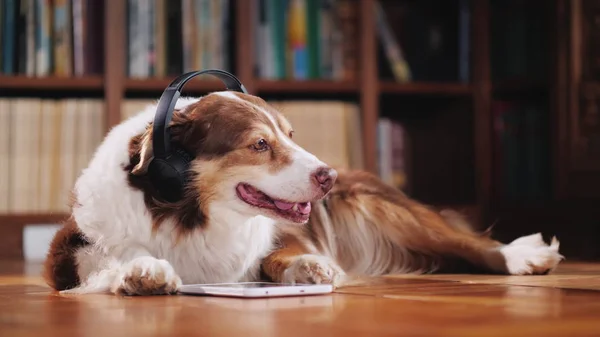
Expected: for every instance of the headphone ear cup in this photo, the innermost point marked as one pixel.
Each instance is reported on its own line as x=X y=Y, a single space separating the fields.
x=169 y=176
x=166 y=180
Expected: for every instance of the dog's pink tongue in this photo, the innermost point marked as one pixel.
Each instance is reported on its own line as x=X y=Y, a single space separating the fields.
x=304 y=207
x=282 y=205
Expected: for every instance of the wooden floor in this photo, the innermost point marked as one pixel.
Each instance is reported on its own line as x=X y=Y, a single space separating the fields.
x=566 y=303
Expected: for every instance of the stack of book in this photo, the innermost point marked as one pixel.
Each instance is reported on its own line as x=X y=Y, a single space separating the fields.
x=306 y=39
x=171 y=37
x=51 y=38
x=44 y=146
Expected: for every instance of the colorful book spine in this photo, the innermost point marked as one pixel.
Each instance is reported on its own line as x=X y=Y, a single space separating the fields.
x=297 y=37
x=62 y=38
x=44 y=40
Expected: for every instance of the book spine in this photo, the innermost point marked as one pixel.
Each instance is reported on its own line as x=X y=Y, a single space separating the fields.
x=78 y=33
x=398 y=154
x=93 y=52
x=61 y=30
x=160 y=38
x=5 y=159
x=206 y=34
x=393 y=52
x=2 y=22
x=313 y=27
x=216 y=34
x=297 y=27
x=279 y=37
x=347 y=13
x=151 y=55
x=464 y=41
x=225 y=32
x=21 y=50
x=143 y=43
x=8 y=41
x=263 y=40
x=193 y=34
x=174 y=45
x=31 y=38
x=325 y=35
x=44 y=47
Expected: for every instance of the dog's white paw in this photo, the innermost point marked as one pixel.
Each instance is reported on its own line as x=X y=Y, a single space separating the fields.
x=313 y=269
x=147 y=276
x=530 y=255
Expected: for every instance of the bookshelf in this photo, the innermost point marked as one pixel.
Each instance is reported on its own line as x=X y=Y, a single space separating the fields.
x=159 y=84
x=51 y=83
x=462 y=172
x=309 y=86
x=389 y=87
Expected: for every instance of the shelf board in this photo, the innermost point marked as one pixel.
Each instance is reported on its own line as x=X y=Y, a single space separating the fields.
x=21 y=82
x=305 y=86
x=160 y=84
x=519 y=86
x=32 y=218
x=425 y=88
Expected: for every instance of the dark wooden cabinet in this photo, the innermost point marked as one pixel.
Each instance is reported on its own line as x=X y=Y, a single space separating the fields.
x=571 y=94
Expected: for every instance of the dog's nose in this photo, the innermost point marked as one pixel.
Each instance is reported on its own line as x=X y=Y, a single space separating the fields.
x=325 y=178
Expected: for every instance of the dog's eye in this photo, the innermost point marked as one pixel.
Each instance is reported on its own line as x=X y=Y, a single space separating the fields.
x=261 y=145
x=291 y=133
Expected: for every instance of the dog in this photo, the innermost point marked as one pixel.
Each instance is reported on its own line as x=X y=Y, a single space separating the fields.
x=257 y=207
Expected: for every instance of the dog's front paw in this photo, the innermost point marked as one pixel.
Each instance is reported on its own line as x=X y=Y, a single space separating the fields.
x=147 y=276
x=530 y=255
x=313 y=269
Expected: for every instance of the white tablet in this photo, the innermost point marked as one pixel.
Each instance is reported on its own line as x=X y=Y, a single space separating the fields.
x=255 y=289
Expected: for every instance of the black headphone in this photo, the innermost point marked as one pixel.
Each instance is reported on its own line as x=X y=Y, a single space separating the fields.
x=168 y=168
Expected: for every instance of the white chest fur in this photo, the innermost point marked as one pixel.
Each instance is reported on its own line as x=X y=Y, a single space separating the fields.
x=225 y=251
x=229 y=249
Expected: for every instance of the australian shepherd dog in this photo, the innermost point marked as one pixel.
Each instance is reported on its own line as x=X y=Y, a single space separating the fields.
x=257 y=207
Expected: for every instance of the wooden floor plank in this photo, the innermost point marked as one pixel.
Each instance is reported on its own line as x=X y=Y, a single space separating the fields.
x=568 y=276
x=432 y=305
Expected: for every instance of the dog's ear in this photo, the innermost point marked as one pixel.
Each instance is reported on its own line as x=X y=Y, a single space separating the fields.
x=146 y=153
x=179 y=128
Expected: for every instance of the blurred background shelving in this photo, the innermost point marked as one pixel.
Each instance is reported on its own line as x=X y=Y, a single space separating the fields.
x=486 y=106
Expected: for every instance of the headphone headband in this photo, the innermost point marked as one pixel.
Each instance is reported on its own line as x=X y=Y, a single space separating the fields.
x=161 y=140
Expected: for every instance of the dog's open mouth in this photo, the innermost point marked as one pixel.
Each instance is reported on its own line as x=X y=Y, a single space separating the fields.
x=294 y=211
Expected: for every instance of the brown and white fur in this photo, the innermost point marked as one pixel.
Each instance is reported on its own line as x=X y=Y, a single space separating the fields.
x=120 y=238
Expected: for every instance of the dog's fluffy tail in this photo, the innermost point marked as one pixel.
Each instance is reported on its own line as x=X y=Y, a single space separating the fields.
x=459 y=222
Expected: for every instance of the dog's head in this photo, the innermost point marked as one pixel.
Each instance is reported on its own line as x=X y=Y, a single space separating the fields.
x=245 y=160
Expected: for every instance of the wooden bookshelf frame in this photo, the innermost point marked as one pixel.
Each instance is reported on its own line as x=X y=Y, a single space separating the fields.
x=55 y=83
